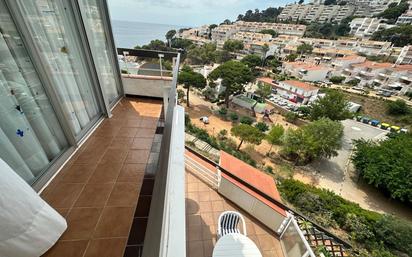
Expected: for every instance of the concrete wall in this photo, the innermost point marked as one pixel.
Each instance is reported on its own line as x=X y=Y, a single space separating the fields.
x=250 y=204
x=146 y=85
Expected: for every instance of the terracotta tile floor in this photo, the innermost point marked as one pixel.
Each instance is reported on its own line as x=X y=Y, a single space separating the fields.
x=97 y=191
x=203 y=207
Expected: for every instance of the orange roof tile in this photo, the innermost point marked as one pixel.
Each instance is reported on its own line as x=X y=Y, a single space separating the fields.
x=374 y=65
x=307 y=66
x=300 y=84
x=253 y=177
x=404 y=67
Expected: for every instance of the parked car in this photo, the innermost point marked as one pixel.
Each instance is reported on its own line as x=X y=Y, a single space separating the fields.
x=375 y=123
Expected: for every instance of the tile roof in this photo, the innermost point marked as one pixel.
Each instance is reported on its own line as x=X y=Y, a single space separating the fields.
x=253 y=177
x=300 y=84
x=374 y=65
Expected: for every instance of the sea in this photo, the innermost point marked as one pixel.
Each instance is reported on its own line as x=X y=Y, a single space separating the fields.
x=128 y=34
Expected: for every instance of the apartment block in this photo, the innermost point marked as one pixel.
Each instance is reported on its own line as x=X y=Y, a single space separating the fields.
x=405 y=56
x=306 y=71
x=380 y=76
x=316 y=12
x=223 y=32
x=365 y=27
x=406 y=18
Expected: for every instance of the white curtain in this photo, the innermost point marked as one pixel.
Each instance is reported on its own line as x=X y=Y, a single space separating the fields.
x=30 y=134
x=100 y=48
x=28 y=225
x=55 y=39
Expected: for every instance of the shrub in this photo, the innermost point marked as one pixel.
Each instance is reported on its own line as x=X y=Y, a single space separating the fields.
x=337 y=79
x=246 y=120
x=233 y=116
x=291 y=117
x=262 y=126
x=380 y=234
x=398 y=107
x=222 y=135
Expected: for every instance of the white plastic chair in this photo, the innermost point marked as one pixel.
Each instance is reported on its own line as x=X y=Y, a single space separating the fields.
x=228 y=223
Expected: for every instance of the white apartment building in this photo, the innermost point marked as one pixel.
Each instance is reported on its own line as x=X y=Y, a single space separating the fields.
x=406 y=18
x=223 y=32
x=369 y=8
x=249 y=37
x=405 y=57
x=387 y=76
x=306 y=71
x=316 y=12
x=280 y=28
x=365 y=27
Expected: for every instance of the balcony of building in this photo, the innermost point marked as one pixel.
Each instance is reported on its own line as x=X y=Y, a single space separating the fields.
x=115 y=191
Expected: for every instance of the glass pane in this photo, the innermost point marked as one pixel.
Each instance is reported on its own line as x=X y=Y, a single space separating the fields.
x=30 y=134
x=54 y=35
x=292 y=242
x=100 y=48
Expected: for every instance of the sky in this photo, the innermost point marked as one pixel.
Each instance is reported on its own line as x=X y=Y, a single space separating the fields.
x=185 y=12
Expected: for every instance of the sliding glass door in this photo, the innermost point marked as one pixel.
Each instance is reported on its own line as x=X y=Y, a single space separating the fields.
x=100 y=48
x=30 y=134
x=56 y=41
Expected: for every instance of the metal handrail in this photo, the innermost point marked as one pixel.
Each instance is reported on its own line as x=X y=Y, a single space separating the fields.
x=270 y=199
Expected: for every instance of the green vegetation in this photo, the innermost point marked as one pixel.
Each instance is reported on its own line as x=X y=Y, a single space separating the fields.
x=304 y=49
x=234 y=76
x=321 y=138
x=233 y=45
x=263 y=127
x=224 y=144
x=181 y=43
x=398 y=107
x=333 y=106
x=291 y=57
x=270 y=32
x=247 y=133
x=274 y=136
x=233 y=116
x=387 y=164
x=328 y=30
x=170 y=35
x=399 y=36
x=353 y=82
x=156 y=44
x=393 y=11
x=189 y=78
x=268 y=15
x=252 y=60
x=337 y=79
x=205 y=54
x=291 y=117
x=246 y=120
x=381 y=235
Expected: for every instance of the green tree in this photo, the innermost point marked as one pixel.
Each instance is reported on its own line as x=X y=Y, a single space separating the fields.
x=386 y=164
x=205 y=54
x=398 y=107
x=234 y=76
x=189 y=78
x=223 y=56
x=305 y=49
x=252 y=60
x=181 y=43
x=399 y=36
x=156 y=44
x=247 y=133
x=263 y=91
x=263 y=127
x=291 y=57
x=337 y=79
x=233 y=45
x=353 y=82
x=246 y=120
x=330 y=2
x=274 y=136
x=271 y=32
x=169 y=35
x=333 y=106
x=394 y=11
x=319 y=139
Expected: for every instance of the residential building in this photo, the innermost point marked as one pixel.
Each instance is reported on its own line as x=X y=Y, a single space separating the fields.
x=293 y=90
x=345 y=62
x=316 y=12
x=223 y=32
x=249 y=37
x=280 y=28
x=388 y=76
x=406 y=18
x=405 y=56
x=365 y=27
x=306 y=71
x=369 y=8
